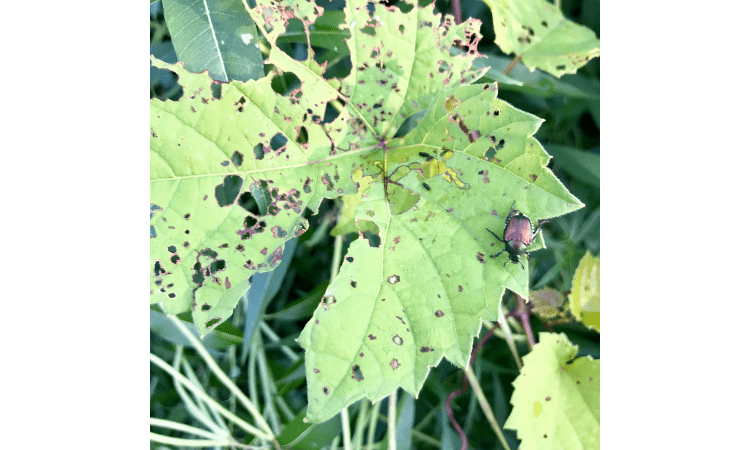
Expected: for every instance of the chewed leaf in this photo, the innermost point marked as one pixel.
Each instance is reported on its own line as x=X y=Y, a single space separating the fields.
x=232 y=174
x=556 y=397
x=229 y=184
x=235 y=165
x=396 y=309
x=538 y=32
x=417 y=293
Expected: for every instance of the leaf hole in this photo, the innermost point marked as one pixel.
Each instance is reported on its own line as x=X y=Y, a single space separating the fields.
x=237 y=158
x=302 y=136
x=213 y=322
x=331 y=114
x=373 y=239
x=285 y=82
x=227 y=192
x=158 y=269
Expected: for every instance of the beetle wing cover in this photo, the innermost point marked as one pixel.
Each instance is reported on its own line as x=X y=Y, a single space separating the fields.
x=518 y=229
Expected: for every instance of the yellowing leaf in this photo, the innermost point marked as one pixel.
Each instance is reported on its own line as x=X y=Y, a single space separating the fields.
x=584 y=295
x=556 y=397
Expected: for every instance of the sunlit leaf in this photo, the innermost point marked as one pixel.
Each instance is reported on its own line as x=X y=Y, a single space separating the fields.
x=538 y=32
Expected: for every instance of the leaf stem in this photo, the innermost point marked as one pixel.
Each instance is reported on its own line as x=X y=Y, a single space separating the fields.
x=522 y=313
x=359 y=429
x=213 y=403
x=371 y=427
x=179 y=442
x=485 y=405
x=224 y=378
x=511 y=65
x=153 y=421
x=392 y=420
x=345 y=428
x=456 y=6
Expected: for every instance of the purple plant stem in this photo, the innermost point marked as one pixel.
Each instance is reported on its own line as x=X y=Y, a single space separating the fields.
x=522 y=313
x=456 y=6
x=464 y=388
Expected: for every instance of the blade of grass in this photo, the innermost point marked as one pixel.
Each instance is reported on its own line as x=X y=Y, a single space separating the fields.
x=221 y=376
x=485 y=405
x=202 y=395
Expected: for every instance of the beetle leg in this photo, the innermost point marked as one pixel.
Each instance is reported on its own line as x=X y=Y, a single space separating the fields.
x=538 y=229
x=512 y=210
x=498 y=238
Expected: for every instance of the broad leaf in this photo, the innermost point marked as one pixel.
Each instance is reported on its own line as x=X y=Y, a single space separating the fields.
x=215 y=35
x=397 y=307
x=556 y=397
x=232 y=175
x=538 y=32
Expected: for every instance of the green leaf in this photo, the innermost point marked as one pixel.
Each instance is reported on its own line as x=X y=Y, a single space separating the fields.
x=207 y=238
x=225 y=336
x=538 y=83
x=325 y=33
x=384 y=320
x=416 y=289
x=582 y=165
x=584 y=294
x=538 y=32
x=215 y=35
x=556 y=397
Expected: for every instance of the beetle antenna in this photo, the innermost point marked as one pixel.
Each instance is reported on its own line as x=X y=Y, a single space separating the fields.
x=496 y=236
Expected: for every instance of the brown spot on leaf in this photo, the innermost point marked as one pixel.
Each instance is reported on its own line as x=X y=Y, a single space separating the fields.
x=398 y=340
x=394 y=364
x=393 y=279
x=439 y=313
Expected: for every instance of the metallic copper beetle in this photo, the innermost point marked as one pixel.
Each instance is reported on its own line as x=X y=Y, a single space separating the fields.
x=518 y=234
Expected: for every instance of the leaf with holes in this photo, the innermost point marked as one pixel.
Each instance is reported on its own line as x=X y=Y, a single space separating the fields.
x=234 y=165
x=556 y=397
x=417 y=292
x=537 y=31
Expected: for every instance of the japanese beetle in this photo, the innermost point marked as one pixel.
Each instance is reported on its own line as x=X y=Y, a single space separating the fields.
x=518 y=234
